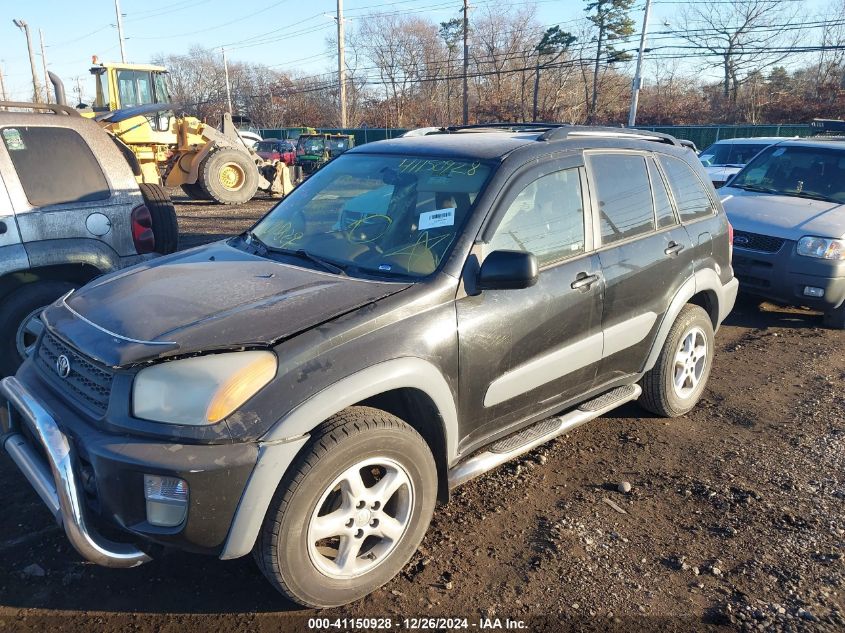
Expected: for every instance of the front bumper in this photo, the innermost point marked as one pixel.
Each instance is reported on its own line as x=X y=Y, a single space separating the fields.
x=55 y=482
x=93 y=480
x=782 y=276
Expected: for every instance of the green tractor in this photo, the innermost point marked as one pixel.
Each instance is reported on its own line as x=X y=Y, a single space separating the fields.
x=315 y=150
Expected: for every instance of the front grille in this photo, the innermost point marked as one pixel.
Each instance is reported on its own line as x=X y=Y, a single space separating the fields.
x=87 y=383
x=757 y=242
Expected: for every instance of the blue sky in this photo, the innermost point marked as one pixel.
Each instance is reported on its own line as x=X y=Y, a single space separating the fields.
x=288 y=34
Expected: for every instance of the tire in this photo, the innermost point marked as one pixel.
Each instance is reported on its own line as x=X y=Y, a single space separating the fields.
x=660 y=394
x=165 y=226
x=229 y=176
x=195 y=191
x=835 y=319
x=18 y=309
x=358 y=440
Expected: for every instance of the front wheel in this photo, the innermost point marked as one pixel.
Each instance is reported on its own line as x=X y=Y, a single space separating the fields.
x=835 y=319
x=20 y=320
x=229 y=176
x=351 y=512
x=677 y=380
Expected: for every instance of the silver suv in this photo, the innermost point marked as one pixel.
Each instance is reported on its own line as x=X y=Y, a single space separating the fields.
x=70 y=210
x=788 y=211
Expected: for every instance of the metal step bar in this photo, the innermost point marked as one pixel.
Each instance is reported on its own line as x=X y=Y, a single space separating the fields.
x=494 y=456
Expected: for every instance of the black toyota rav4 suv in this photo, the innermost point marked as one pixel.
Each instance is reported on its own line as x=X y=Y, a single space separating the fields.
x=416 y=313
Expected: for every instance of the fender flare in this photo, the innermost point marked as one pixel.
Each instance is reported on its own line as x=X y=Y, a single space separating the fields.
x=702 y=280
x=282 y=443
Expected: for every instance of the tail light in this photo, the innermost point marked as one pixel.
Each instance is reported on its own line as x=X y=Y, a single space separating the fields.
x=730 y=242
x=142 y=230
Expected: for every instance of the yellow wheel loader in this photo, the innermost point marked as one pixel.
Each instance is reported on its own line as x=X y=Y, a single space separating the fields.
x=166 y=149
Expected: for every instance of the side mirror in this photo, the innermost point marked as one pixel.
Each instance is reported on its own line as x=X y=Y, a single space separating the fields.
x=508 y=270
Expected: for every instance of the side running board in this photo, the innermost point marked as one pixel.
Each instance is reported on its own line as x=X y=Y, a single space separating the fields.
x=514 y=445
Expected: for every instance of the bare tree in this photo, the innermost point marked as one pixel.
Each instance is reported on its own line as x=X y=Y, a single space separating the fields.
x=744 y=35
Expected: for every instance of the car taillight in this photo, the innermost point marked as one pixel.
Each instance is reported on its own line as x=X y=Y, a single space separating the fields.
x=730 y=242
x=142 y=229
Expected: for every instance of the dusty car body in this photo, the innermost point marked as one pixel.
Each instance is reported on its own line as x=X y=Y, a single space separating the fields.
x=309 y=390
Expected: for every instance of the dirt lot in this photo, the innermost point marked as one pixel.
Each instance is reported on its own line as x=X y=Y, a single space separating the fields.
x=735 y=519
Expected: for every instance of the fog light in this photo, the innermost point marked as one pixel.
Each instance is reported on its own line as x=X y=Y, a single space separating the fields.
x=167 y=500
x=812 y=291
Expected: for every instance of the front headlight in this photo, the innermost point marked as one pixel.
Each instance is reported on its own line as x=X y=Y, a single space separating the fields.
x=201 y=390
x=821 y=247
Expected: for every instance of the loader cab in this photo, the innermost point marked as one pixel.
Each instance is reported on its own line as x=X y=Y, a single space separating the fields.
x=128 y=85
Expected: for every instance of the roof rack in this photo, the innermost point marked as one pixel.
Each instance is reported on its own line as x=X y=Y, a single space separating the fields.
x=561 y=132
x=507 y=127
x=54 y=107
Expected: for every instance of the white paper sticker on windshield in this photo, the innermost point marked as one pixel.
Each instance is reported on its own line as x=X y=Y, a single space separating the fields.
x=434 y=219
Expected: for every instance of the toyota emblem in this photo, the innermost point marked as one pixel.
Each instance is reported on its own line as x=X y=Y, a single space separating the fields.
x=63 y=366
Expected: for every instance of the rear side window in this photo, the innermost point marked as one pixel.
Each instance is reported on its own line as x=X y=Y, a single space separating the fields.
x=690 y=195
x=662 y=205
x=624 y=196
x=54 y=165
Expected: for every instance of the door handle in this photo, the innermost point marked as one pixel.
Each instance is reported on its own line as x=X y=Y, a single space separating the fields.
x=584 y=281
x=674 y=248
x=3 y=228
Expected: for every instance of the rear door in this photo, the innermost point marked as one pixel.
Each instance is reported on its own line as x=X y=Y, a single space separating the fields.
x=645 y=255
x=524 y=351
x=12 y=253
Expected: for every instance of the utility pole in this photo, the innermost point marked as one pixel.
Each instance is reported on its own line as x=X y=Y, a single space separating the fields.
x=23 y=26
x=2 y=85
x=341 y=64
x=466 y=61
x=44 y=63
x=226 y=73
x=638 y=75
x=120 y=30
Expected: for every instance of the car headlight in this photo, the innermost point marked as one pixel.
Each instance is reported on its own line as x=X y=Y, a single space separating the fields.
x=821 y=247
x=201 y=390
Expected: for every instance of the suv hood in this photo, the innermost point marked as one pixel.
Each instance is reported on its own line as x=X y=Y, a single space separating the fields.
x=786 y=217
x=210 y=298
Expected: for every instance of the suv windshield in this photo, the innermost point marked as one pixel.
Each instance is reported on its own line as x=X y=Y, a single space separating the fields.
x=793 y=170
x=382 y=215
x=730 y=153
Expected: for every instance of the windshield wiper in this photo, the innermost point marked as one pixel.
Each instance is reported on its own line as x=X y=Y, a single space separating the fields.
x=756 y=188
x=813 y=196
x=261 y=248
x=324 y=263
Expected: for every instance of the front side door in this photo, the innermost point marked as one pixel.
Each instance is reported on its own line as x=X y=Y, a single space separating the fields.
x=645 y=255
x=523 y=351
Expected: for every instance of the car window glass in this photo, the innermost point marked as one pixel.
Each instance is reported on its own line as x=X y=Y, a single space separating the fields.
x=384 y=215
x=662 y=205
x=624 y=196
x=54 y=165
x=546 y=218
x=690 y=195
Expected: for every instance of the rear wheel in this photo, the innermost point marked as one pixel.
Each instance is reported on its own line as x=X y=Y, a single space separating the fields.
x=229 y=176
x=163 y=214
x=675 y=383
x=351 y=512
x=20 y=320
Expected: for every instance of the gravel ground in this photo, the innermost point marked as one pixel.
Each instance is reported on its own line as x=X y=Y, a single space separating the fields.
x=734 y=520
